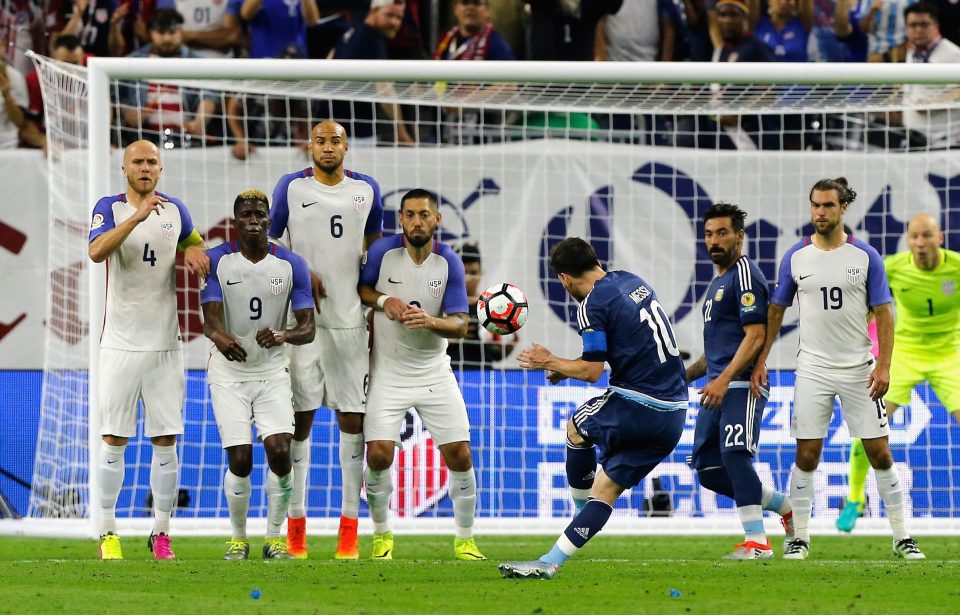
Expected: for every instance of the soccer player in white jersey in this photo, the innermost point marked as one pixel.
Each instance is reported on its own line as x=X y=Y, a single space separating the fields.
x=417 y=286
x=251 y=285
x=838 y=281
x=329 y=216
x=138 y=234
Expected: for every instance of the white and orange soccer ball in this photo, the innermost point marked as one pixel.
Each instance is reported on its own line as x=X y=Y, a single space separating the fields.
x=502 y=309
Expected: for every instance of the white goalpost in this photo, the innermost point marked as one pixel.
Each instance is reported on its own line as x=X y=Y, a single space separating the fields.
x=522 y=154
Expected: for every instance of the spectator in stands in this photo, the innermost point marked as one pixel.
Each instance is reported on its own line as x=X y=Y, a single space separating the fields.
x=262 y=120
x=13 y=89
x=66 y=49
x=847 y=27
x=161 y=112
x=685 y=31
x=786 y=29
x=212 y=28
x=408 y=43
x=21 y=29
x=473 y=37
x=632 y=34
x=565 y=30
x=925 y=45
x=824 y=46
x=509 y=19
x=276 y=24
x=368 y=41
x=480 y=348
x=883 y=22
x=99 y=26
x=948 y=14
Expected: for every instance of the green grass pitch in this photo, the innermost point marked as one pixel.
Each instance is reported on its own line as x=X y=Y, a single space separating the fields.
x=613 y=574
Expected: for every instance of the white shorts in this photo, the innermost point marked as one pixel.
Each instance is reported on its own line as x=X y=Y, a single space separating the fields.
x=439 y=404
x=265 y=403
x=155 y=377
x=332 y=371
x=813 y=400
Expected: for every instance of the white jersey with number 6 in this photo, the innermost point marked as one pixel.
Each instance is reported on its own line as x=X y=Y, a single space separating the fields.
x=326 y=225
x=141 y=305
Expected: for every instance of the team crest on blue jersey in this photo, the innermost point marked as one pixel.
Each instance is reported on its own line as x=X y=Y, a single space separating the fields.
x=358 y=201
x=434 y=287
x=276 y=285
x=855 y=275
x=167 y=229
x=719 y=295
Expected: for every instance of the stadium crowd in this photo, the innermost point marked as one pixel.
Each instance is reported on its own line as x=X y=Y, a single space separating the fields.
x=562 y=30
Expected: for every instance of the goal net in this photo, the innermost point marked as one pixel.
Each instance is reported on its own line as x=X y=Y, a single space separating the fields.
x=521 y=156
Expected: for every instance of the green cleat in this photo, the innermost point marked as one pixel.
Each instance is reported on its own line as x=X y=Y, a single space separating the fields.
x=849 y=514
x=467 y=550
x=382 y=546
x=110 y=546
x=237 y=549
x=275 y=548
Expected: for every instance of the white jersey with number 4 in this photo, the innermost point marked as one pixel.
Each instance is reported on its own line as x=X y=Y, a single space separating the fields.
x=141 y=305
x=836 y=290
x=436 y=285
x=254 y=296
x=327 y=225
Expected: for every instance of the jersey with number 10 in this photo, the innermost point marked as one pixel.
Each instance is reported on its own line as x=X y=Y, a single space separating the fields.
x=326 y=225
x=928 y=302
x=836 y=290
x=140 y=313
x=622 y=322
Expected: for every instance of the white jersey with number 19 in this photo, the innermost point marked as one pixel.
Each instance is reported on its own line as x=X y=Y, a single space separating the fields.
x=327 y=225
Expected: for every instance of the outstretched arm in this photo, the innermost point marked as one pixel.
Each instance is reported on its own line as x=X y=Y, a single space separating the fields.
x=539 y=357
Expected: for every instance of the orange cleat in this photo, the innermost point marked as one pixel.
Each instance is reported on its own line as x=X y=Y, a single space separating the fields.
x=347 y=547
x=297 y=537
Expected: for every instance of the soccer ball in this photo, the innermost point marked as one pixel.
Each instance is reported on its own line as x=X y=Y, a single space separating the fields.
x=502 y=309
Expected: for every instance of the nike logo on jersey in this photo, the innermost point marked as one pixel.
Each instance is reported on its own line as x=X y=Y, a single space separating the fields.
x=392 y=281
x=305 y=205
x=232 y=282
x=111 y=462
x=903 y=290
x=355 y=456
x=298 y=460
x=804 y=277
x=164 y=464
x=799 y=487
x=883 y=424
x=894 y=484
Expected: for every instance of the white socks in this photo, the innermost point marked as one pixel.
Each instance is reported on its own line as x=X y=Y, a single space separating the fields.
x=351 y=472
x=110 y=474
x=278 y=501
x=164 y=472
x=463 y=494
x=801 y=497
x=891 y=492
x=300 y=456
x=237 y=491
x=379 y=490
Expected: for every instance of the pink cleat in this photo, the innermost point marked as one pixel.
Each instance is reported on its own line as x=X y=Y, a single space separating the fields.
x=160 y=545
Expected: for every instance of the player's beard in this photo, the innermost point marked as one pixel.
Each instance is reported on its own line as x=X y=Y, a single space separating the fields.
x=418 y=242
x=327 y=167
x=722 y=258
x=828 y=227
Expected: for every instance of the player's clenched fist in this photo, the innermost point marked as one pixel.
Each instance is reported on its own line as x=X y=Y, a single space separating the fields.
x=268 y=338
x=229 y=346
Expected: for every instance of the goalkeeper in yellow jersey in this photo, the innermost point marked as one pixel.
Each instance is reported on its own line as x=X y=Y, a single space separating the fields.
x=925 y=282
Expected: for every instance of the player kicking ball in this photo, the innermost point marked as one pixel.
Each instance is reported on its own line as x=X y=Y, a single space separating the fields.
x=416 y=285
x=638 y=421
x=728 y=425
x=251 y=285
x=838 y=281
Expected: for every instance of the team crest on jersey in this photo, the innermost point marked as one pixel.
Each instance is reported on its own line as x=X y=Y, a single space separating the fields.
x=434 y=287
x=358 y=201
x=167 y=229
x=949 y=287
x=719 y=295
x=97 y=222
x=855 y=275
x=748 y=300
x=276 y=285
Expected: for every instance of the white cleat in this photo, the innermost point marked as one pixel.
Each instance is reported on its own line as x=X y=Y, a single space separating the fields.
x=528 y=570
x=750 y=550
x=796 y=549
x=907 y=549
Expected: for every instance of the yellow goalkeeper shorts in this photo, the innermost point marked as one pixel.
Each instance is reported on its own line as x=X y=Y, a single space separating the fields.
x=909 y=368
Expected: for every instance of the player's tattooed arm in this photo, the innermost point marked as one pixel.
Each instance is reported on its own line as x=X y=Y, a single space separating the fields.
x=759 y=378
x=302 y=333
x=540 y=357
x=697 y=369
x=228 y=345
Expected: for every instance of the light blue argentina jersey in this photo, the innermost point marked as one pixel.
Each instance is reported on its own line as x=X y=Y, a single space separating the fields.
x=254 y=296
x=836 y=290
x=436 y=285
x=140 y=313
